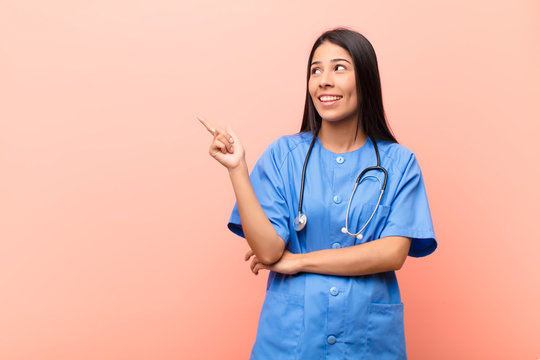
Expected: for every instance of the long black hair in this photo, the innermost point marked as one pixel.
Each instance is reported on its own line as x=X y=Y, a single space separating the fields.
x=371 y=114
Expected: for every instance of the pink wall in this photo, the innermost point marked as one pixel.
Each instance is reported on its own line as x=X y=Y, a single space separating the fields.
x=113 y=242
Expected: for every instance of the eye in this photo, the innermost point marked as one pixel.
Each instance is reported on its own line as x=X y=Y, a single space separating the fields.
x=340 y=67
x=315 y=71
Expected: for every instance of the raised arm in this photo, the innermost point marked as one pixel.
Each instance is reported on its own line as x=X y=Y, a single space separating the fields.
x=258 y=231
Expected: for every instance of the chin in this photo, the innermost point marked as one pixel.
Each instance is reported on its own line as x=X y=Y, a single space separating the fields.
x=337 y=119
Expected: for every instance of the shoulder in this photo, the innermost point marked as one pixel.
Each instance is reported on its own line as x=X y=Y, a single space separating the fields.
x=397 y=156
x=285 y=146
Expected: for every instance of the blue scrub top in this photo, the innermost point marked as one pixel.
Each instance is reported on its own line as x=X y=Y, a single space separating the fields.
x=314 y=316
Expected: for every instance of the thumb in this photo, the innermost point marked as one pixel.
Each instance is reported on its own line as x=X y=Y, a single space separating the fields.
x=232 y=133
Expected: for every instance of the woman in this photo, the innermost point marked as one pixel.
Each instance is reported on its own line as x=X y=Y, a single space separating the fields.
x=332 y=292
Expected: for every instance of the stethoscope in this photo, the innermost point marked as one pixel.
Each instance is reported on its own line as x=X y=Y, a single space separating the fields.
x=301 y=220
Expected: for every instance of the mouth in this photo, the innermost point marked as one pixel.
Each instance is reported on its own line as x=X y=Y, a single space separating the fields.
x=329 y=99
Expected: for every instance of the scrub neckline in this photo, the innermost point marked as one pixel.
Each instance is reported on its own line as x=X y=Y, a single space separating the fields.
x=343 y=153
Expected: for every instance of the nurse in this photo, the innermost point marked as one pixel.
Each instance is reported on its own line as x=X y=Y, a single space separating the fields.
x=331 y=295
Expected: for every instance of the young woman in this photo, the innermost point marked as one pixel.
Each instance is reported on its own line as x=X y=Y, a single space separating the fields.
x=332 y=212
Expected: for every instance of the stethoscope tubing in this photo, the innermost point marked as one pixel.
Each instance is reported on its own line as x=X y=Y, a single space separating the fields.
x=301 y=200
x=301 y=220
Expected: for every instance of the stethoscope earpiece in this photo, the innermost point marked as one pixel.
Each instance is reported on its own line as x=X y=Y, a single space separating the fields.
x=358 y=236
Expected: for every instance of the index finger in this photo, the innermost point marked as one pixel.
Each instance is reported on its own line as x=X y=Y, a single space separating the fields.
x=208 y=127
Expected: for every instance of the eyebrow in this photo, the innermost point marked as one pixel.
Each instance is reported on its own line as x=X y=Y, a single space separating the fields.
x=333 y=60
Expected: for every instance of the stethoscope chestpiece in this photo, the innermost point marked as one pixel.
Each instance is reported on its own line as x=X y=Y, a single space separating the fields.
x=300 y=222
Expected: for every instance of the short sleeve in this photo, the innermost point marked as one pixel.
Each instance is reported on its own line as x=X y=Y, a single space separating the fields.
x=409 y=214
x=267 y=182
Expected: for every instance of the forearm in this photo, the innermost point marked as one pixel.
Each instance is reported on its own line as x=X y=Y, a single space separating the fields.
x=373 y=257
x=258 y=231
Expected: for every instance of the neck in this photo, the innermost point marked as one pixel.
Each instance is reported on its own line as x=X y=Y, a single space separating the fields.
x=341 y=137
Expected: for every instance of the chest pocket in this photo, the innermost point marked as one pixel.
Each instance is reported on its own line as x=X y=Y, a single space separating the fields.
x=364 y=204
x=376 y=224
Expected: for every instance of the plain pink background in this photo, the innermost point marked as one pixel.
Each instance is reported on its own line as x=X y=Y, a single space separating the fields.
x=113 y=242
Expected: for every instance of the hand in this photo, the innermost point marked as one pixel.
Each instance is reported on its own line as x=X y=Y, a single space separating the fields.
x=225 y=147
x=288 y=264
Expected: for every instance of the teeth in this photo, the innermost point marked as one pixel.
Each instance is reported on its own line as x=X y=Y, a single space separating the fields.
x=329 y=98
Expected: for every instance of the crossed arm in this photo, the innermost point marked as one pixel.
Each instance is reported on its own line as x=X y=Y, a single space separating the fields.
x=268 y=249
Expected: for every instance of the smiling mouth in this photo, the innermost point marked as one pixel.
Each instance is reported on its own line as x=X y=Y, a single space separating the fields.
x=329 y=98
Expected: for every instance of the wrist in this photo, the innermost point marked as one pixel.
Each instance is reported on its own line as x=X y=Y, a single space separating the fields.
x=241 y=168
x=301 y=262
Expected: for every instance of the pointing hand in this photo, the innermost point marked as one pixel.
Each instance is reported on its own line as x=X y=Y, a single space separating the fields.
x=225 y=147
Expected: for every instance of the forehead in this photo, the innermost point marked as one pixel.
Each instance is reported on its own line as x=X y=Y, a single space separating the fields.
x=328 y=51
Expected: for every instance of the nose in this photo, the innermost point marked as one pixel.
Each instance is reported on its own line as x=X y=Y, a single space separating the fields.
x=327 y=79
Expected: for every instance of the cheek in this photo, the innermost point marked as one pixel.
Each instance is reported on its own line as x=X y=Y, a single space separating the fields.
x=352 y=92
x=351 y=84
x=354 y=98
x=312 y=88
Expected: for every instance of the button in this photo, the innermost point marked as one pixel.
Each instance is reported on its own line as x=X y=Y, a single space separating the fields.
x=340 y=159
x=331 y=339
x=336 y=245
x=334 y=290
x=337 y=199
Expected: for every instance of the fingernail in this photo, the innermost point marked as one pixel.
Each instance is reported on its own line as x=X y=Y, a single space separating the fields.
x=231 y=140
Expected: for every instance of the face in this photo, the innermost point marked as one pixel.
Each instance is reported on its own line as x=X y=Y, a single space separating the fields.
x=332 y=83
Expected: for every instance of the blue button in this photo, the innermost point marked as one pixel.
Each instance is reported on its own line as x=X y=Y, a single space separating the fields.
x=331 y=339
x=340 y=159
x=337 y=199
x=334 y=290
x=336 y=245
